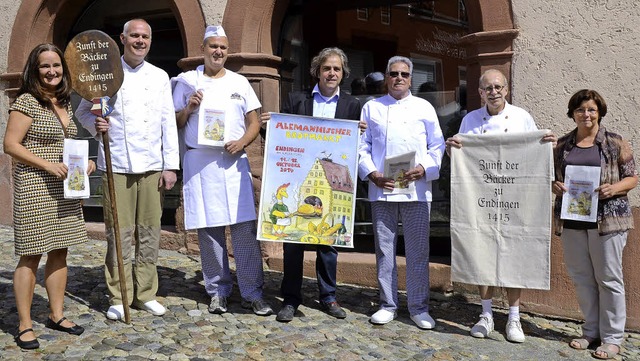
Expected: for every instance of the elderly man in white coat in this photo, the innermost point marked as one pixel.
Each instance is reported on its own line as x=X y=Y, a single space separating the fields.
x=217 y=180
x=399 y=124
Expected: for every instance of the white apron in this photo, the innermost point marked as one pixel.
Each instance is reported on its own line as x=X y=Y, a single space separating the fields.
x=218 y=190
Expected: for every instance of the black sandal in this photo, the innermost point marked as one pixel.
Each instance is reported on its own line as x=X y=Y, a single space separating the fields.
x=26 y=345
x=74 y=330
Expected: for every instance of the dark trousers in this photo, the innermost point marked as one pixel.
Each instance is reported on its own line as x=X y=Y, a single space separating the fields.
x=326 y=263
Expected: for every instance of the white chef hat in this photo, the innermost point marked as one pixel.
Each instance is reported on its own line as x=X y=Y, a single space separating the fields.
x=214 y=30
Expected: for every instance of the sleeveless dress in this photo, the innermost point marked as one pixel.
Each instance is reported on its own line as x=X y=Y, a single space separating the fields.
x=43 y=219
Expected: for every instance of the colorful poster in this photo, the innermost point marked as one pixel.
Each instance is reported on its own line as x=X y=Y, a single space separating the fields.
x=309 y=180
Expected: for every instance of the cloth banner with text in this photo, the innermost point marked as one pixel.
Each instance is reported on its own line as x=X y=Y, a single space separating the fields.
x=309 y=180
x=501 y=210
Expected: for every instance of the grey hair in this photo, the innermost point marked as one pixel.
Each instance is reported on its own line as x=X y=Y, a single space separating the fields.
x=322 y=56
x=125 y=28
x=400 y=59
x=486 y=72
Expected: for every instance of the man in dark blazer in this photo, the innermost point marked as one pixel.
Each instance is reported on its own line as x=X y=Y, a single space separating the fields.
x=326 y=100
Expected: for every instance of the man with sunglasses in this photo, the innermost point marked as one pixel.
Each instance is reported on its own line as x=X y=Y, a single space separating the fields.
x=496 y=116
x=399 y=123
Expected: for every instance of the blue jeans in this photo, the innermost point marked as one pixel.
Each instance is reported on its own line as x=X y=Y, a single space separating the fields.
x=326 y=264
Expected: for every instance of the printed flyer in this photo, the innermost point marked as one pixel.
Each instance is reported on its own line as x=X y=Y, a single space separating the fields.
x=309 y=180
x=395 y=167
x=211 y=127
x=580 y=202
x=76 y=156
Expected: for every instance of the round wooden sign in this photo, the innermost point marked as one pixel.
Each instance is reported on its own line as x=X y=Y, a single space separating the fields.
x=93 y=59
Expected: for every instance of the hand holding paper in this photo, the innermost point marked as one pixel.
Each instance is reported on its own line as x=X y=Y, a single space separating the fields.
x=58 y=170
x=580 y=201
x=76 y=159
x=381 y=181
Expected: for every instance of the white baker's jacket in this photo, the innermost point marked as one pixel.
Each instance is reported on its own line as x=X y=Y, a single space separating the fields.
x=511 y=119
x=218 y=187
x=396 y=127
x=143 y=135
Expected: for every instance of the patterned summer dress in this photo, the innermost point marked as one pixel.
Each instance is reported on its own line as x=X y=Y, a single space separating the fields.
x=43 y=220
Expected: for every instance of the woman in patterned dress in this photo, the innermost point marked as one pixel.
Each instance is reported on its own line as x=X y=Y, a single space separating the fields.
x=44 y=222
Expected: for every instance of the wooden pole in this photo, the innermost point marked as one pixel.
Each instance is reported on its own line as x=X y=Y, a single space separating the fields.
x=116 y=227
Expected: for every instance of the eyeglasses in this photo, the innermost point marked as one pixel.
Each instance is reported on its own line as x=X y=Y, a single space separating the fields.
x=582 y=111
x=498 y=88
x=404 y=74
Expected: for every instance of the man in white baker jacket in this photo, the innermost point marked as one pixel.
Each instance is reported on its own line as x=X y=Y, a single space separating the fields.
x=399 y=124
x=143 y=141
x=218 y=191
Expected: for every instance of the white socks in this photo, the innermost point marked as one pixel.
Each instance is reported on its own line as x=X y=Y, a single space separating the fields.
x=514 y=313
x=486 y=308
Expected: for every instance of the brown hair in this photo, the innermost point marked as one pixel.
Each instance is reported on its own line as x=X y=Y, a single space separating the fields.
x=585 y=95
x=31 y=78
x=325 y=53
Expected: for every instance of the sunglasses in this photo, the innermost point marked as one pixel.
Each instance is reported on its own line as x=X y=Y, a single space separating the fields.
x=395 y=74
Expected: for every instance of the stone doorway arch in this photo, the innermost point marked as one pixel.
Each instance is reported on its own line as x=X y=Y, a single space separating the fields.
x=40 y=21
x=51 y=20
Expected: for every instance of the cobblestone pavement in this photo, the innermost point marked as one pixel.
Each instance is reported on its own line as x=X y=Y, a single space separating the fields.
x=188 y=332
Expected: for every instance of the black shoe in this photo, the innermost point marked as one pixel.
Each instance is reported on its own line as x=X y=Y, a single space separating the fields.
x=27 y=345
x=74 y=330
x=333 y=309
x=286 y=313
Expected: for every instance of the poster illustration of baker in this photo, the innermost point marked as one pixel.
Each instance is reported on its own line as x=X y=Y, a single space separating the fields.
x=309 y=180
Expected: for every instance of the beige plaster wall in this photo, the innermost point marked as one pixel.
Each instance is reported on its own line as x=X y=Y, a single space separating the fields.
x=213 y=11
x=576 y=44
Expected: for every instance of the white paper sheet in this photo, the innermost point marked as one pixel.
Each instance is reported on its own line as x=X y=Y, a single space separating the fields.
x=580 y=201
x=76 y=157
x=395 y=167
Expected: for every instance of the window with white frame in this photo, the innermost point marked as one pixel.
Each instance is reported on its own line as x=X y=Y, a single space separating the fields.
x=462 y=75
x=385 y=15
x=362 y=14
x=424 y=71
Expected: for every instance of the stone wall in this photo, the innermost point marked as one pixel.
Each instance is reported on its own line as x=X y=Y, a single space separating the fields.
x=8 y=11
x=577 y=44
x=572 y=45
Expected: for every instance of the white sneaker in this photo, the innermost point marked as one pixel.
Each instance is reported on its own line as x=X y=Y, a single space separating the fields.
x=483 y=327
x=218 y=305
x=154 y=308
x=115 y=312
x=382 y=316
x=514 y=331
x=424 y=321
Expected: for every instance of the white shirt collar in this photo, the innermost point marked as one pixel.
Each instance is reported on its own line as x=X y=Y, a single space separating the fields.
x=316 y=90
